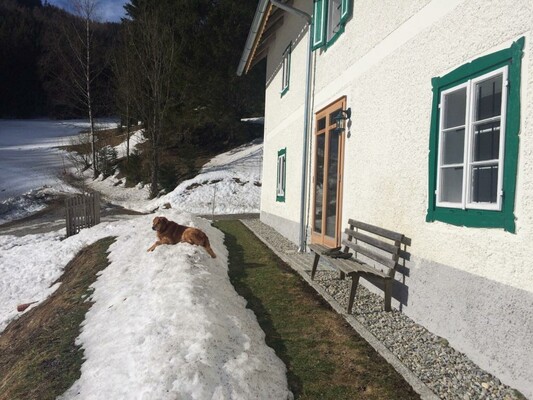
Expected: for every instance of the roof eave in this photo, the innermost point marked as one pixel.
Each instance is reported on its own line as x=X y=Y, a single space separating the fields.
x=258 y=24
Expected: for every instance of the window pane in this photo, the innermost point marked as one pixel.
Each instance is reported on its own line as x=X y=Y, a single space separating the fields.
x=284 y=80
x=331 y=196
x=283 y=174
x=286 y=66
x=453 y=146
x=455 y=108
x=321 y=124
x=489 y=98
x=333 y=115
x=487 y=141
x=280 y=176
x=484 y=184
x=334 y=17
x=451 y=190
x=319 y=180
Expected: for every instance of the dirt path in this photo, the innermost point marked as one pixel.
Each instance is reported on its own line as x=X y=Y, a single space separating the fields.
x=52 y=218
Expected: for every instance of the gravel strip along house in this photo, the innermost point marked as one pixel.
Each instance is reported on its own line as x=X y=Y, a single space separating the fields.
x=415 y=117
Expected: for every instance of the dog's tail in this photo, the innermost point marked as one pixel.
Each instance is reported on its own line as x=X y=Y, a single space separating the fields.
x=209 y=249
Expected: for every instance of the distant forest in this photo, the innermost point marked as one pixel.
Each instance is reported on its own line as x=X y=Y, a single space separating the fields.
x=29 y=70
x=170 y=64
x=209 y=38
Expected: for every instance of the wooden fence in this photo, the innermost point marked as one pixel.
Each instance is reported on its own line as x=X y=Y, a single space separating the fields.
x=82 y=212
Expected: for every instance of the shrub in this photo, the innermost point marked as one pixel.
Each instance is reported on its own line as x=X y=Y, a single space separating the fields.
x=106 y=160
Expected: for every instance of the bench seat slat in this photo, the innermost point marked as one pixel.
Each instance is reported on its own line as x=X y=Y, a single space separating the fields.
x=387 y=262
x=350 y=267
x=379 y=231
x=318 y=248
x=389 y=248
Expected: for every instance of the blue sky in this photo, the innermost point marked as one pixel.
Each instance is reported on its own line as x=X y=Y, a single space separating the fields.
x=108 y=10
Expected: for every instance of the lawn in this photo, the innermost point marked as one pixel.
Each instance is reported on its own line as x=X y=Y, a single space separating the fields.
x=39 y=358
x=325 y=357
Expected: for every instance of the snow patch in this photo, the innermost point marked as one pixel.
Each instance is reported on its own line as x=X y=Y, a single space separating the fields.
x=164 y=325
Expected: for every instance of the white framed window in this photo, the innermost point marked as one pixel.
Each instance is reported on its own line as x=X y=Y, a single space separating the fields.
x=286 y=69
x=281 y=174
x=471 y=142
x=474 y=141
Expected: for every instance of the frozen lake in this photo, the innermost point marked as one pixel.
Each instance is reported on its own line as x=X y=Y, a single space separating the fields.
x=30 y=159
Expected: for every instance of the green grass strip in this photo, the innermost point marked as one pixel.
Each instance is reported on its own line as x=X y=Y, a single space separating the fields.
x=325 y=357
x=39 y=358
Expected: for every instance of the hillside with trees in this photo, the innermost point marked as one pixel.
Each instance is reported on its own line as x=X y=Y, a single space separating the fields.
x=34 y=76
x=169 y=64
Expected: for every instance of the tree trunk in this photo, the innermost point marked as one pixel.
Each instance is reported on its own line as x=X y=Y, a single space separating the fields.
x=156 y=135
x=154 y=187
x=127 y=133
x=89 y=100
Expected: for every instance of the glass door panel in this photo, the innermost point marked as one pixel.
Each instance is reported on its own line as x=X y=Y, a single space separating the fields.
x=332 y=181
x=319 y=179
x=327 y=188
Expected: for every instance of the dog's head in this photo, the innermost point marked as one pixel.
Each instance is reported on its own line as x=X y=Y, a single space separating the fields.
x=158 y=224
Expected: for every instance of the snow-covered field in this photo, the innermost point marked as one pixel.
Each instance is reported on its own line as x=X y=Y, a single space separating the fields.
x=31 y=166
x=167 y=324
x=228 y=184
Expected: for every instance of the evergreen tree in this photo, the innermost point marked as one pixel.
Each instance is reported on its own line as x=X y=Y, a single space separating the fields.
x=151 y=38
x=22 y=92
x=206 y=100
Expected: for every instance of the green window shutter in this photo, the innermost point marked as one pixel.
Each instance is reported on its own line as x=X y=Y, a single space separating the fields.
x=346 y=10
x=319 y=24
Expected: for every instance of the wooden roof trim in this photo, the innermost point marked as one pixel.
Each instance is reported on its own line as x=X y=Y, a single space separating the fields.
x=258 y=38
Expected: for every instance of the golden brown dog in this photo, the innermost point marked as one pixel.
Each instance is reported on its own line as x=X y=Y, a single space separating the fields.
x=169 y=232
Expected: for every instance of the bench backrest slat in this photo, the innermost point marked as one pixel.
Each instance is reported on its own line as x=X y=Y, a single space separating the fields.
x=405 y=255
x=370 y=242
x=388 y=247
x=387 y=262
x=380 y=231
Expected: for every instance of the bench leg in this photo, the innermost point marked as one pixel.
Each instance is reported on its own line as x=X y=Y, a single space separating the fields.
x=315 y=265
x=355 y=282
x=388 y=295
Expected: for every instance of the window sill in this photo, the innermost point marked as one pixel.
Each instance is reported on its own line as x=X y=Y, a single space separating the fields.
x=473 y=218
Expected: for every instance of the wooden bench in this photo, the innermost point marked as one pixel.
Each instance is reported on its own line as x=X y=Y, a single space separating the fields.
x=376 y=254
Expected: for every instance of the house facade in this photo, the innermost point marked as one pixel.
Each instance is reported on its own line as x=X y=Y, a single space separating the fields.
x=416 y=116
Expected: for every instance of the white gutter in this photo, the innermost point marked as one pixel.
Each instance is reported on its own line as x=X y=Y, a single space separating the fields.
x=252 y=34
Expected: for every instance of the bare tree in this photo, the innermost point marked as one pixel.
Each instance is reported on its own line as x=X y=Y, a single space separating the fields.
x=76 y=47
x=153 y=49
x=123 y=71
x=86 y=10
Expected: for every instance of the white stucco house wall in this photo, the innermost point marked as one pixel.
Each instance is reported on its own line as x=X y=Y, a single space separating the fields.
x=438 y=146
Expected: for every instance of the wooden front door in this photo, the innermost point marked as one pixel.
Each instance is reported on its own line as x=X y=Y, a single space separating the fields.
x=327 y=177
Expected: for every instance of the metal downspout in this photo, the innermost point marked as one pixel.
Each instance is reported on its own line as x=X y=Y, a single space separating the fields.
x=308 y=19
